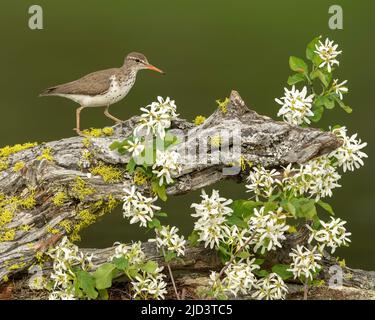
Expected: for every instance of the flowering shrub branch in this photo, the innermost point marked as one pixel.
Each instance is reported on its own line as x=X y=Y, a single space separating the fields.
x=286 y=187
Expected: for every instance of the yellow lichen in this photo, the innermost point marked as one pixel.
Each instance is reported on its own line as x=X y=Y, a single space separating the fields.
x=140 y=178
x=52 y=230
x=25 y=227
x=17 y=266
x=216 y=141
x=4 y=164
x=46 y=154
x=7 y=235
x=7 y=151
x=86 y=142
x=39 y=256
x=108 y=131
x=29 y=202
x=223 y=105
x=245 y=163
x=18 y=166
x=81 y=190
x=66 y=224
x=199 y=120
x=6 y=216
x=107 y=172
x=97 y=133
x=60 y=198
x=5 y=278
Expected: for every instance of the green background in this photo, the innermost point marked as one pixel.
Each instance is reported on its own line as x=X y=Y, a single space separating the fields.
x=207 y=48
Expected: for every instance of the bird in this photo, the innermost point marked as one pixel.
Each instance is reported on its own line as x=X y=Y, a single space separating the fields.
x=102 y=88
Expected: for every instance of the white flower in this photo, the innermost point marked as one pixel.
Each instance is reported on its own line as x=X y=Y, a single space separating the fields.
x=268 y=229
x=305 y=262
x=332 y=234
x=261 y=182
x=318 y=178
x=137 y=207
x=65 y=255
x=271 y=287
x=166 y=165
x=61 y=295
x=339 y=87
x=328 y=53
x=349 y=155
x=296 y=107
x=167 y=237
x=239 y=277
x=234 y=237
x=150 y=286
x=133 y=253
x=135 y=147
x=156 y=118
x=211 y=214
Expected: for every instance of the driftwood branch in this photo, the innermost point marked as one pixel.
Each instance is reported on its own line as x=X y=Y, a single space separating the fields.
x=264 y=141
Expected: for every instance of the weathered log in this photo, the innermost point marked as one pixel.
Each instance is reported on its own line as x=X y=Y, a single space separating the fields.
x=192 y=271
x=263 y=141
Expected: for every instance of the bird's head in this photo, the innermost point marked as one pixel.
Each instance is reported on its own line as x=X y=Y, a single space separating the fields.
x=137 y=61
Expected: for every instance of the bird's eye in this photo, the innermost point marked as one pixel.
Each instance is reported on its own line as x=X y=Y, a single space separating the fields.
x=137 y=60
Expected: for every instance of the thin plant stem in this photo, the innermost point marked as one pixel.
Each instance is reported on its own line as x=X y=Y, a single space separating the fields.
x=235 y=255
x=305 y=289
x=172 y=278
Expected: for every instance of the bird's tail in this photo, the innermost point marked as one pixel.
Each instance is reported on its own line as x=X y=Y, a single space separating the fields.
x=47 y=92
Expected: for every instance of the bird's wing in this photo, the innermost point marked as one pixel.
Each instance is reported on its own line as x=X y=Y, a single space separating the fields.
x=92 y=84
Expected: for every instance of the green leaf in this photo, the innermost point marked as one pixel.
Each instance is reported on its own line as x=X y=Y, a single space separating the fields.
x=325 y=77
x=169 y=256
x=296 y=78
x=115 y=145
x=325 y=101
x=159 y=189
x=104 y=275
x=121 y=263
x=259 y=262
x=318 y=113
x=103 y=294
x=161 y=214
x=243 y=255
x=270 y=206
x=298 y=65
x=193 y=238
x=288 y=206
x=131 y=166
x=310 y=50
x=326 y=206
x=235 y=220
x=244 y=208
x=305 y=208
x=86 y=282
x=150 y=266
x=343 y=106
x=282 y=271
x=261 y=273
x=154 y=223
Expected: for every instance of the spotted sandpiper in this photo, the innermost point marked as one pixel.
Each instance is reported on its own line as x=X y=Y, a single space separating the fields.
x=102 y=88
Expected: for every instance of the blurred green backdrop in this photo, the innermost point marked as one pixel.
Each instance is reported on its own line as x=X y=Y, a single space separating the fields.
x=207 y=48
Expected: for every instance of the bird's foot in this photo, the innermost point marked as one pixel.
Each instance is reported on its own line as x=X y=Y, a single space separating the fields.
x=79 y=132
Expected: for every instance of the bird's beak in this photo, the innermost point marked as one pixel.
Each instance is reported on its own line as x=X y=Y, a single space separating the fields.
x=151 y=67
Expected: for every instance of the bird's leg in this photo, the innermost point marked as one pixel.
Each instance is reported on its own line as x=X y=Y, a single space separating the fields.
x=106 y=112
x=78 y=117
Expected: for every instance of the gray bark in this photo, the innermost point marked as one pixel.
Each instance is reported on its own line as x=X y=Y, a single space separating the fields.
x=264 y=141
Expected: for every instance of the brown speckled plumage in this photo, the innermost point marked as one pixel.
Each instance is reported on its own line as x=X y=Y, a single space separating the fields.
x=102 y=88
